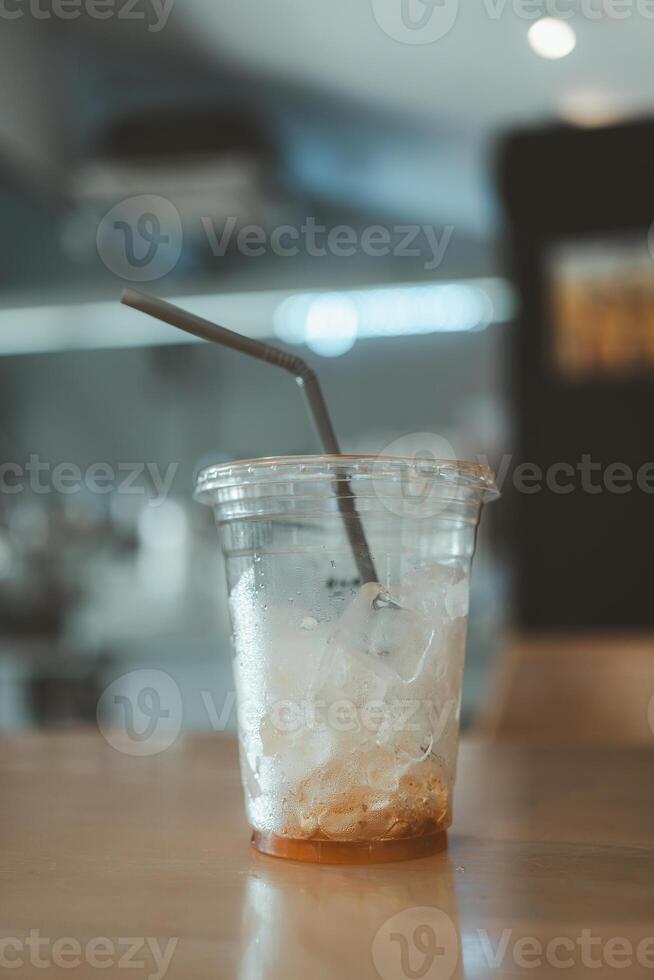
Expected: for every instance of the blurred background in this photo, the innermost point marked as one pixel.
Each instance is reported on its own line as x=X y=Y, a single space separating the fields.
x=445 y=208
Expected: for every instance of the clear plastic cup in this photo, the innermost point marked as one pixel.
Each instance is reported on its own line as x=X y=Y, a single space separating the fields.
x=348 y=692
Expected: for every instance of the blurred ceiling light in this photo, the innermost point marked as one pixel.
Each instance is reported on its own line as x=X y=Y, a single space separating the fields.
x=328 y=322
x=392 y=311
x=551 y=38
x=591 y=108
x=331 y=324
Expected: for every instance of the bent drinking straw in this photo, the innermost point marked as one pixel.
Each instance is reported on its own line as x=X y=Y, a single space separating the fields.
x=308 y=382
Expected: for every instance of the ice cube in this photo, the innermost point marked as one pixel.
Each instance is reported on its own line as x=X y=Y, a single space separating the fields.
x=402 y=637
x=382 y=773
x=357 y=815
x=438 y=591
x=375 y=640
x=412 y=747
x=277 y=646
x=456 y=598
x=345 y=807
x=302 y=754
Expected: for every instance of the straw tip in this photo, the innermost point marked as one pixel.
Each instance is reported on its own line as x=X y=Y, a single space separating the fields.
x=129 y=296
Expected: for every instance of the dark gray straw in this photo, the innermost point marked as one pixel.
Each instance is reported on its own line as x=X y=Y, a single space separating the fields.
x=308 y=382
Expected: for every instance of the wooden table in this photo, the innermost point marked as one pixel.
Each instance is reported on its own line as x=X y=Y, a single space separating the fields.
x=587 y=690
x=546 y=844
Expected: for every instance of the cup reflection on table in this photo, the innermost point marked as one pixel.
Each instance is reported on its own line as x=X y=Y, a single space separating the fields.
x=395 y=921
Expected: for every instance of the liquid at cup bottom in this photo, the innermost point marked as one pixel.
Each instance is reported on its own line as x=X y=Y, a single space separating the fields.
x=353 y=852
x=349 y=830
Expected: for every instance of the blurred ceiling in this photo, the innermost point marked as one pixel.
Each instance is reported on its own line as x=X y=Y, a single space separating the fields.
x=460 y=91
x=480 y=77
x=357 y=124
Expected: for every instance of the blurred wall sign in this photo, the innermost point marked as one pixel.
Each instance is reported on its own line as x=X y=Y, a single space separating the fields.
x=580 y=205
